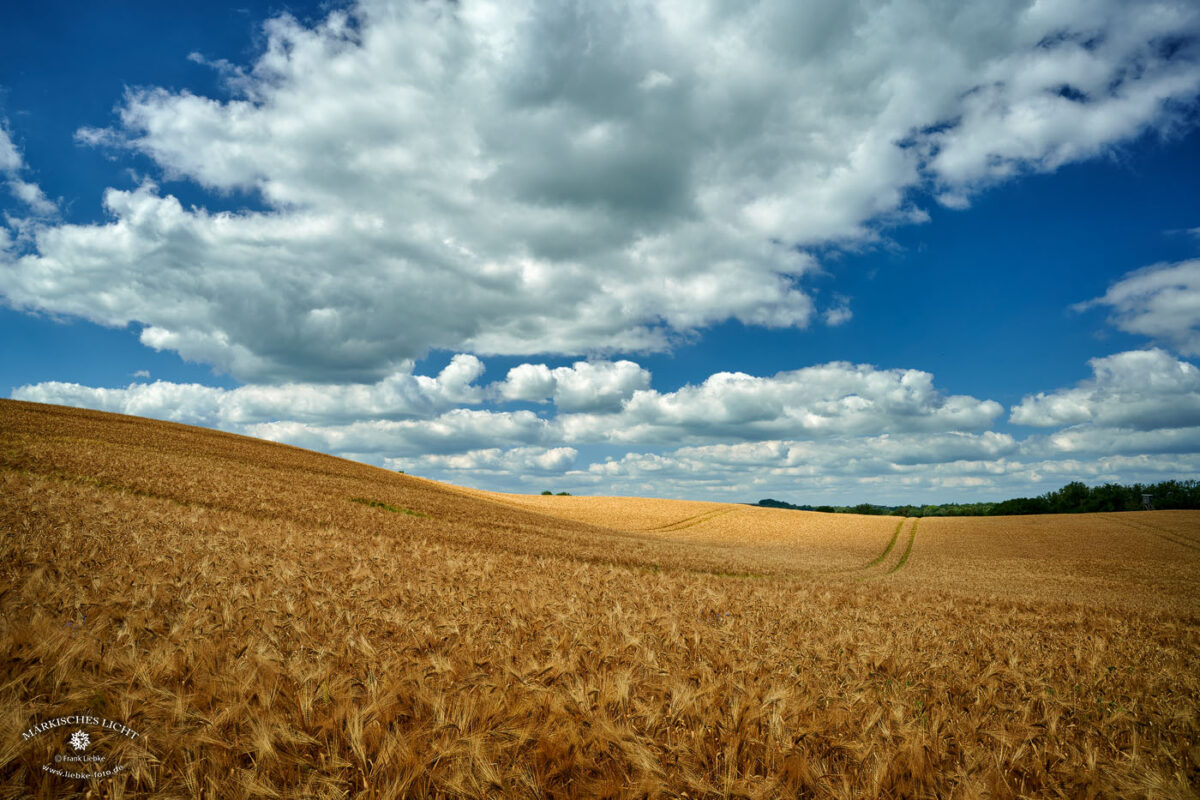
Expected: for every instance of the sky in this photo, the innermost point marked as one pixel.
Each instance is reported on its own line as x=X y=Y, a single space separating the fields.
x=824 y=252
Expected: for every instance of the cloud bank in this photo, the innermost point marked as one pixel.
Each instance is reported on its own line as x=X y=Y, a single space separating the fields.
x=835 y=432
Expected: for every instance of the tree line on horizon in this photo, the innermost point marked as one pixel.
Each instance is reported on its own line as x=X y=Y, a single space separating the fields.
x=1074 y=498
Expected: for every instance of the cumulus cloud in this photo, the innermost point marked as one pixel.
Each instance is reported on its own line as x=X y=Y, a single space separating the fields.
x=1161 y=301
x=1136 y=418
x=454 y=432
x=400 y=395
x=1140 y=389
x=580 y=178
x=516 y=461
x=584 y=386
x=814 y=402
x=594 y=403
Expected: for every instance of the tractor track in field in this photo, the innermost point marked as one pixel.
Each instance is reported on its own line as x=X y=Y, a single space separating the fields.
x=887 y=562
x=1174 y=537
x=688 y=522
x=891 y=543
x=912 y=537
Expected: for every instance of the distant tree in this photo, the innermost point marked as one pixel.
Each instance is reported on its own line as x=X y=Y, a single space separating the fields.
x=1070 y=499
x=547 y=492
x=1175 y=494
x=1109 y=497
x=1022 y=505
x=769 y=503
x=1074 y=498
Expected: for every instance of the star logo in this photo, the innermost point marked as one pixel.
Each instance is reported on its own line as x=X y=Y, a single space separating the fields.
x=80 y=740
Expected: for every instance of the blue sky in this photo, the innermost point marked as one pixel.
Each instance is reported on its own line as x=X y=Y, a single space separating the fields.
x=824 y=252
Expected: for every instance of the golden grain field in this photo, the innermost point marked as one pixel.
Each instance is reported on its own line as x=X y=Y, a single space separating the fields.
x=277 y=623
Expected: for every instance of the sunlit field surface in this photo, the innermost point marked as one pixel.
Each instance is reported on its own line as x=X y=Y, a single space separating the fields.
x=279 y=623
x=1122 y=559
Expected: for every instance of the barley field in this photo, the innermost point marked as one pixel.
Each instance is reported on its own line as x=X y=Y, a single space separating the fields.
x=273 y=622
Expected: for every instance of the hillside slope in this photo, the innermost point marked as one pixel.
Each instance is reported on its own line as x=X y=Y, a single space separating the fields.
x=274 y=483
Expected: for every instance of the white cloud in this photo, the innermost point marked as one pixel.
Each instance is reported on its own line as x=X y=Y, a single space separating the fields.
x=458 y=431
x=1161 y=301
x=1137 y=418
x=517 y=461
x=594 y=403
x=846 y=459
x=10 y=158
x=534 y=383
x=31 y=195
x=585 y=386
x=1097 y=73
x=400 y=395
x=456 y=382
x=838 y=314
x=1095 y=440
x=1139 y=389
x=578 y=178
x=856 y=456
x=11 y=166
x=814 y=402
x=993 y=474
x=829 y=433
